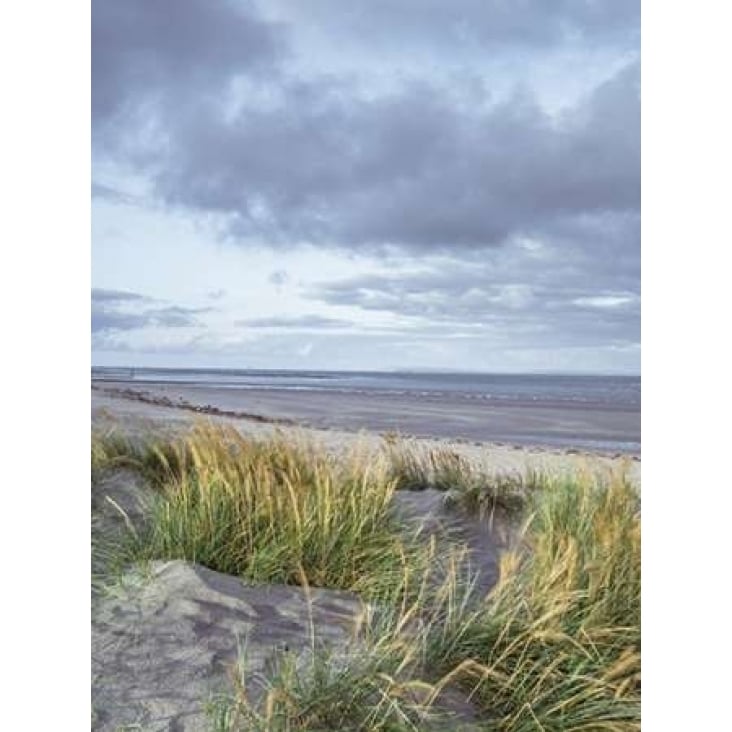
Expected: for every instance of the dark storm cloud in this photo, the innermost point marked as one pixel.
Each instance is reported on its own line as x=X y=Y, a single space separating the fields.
x=524 y=223
x=328 y=161
x=423 y=168
x=297 y=322
x=117 y=310
x=146 y=53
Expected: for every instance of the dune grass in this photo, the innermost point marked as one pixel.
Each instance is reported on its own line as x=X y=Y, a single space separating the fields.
x=415 y=467
x=370 y=689
x=557 y=646
x=554 y=646
x=158 y=458
x=269 y=511
x=378 y=683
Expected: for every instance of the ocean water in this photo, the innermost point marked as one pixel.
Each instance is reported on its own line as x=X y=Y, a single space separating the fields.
x=611 y=392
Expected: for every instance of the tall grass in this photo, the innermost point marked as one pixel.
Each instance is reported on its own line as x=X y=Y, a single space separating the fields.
x=378 y=683
x=558 y=644
x=555 y=645
x=369 y=689
x=269 y=511
x=158 y=458
x=417 y=468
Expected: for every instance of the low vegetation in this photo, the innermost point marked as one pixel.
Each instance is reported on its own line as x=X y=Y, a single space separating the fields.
x=554 y=646
x=557 y=645
x=269 y=512
x=414 y=467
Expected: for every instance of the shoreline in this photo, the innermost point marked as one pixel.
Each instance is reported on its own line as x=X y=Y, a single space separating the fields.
x=180 y=403
x=136 y=411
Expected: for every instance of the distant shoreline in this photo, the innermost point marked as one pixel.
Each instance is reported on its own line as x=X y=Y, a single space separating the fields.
x=194 y=402
x=386 y=372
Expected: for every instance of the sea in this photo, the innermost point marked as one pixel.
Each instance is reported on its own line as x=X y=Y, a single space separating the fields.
x=590 y=390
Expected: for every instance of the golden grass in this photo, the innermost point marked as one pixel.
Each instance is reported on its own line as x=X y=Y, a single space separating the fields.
x=555 y=646
x=558 y=645
x=415 y=467
x=268 y=511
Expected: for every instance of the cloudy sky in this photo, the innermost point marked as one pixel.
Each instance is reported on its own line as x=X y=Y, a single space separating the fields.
x=371 y=184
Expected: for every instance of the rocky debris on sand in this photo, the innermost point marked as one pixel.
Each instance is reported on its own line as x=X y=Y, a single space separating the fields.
x=164 y=401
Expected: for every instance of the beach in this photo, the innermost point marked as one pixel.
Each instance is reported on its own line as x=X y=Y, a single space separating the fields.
x=485 y=435
x=347 y=536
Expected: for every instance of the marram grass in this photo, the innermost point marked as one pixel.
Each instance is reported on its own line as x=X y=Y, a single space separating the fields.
x=415 y=467
x=271 y=511
x=555 y=645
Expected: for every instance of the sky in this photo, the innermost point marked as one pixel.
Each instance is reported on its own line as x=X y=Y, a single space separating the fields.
x=377 y=184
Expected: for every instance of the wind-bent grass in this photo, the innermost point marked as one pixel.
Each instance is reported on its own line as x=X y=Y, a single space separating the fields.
x=376 y=684
x=368 y=690
x=268 y=511
x=555 y=646
x=159 y=460
x=417 y=468
x=558 y=644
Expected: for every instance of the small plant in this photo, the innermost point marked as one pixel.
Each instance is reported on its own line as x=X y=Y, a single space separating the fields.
x=505 y=493
x=417 y=468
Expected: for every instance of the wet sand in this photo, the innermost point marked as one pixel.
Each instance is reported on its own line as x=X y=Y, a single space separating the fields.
x=549 y=424
x=117 y=405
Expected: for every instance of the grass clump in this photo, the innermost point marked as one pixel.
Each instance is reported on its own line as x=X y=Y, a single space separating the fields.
x=365 y=691
x=379 y=683
x=271 y=511
x=159 y=461
x=417 y=468
x=557 y=646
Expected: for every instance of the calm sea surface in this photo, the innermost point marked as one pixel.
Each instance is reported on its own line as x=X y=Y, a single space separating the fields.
x=595 y=391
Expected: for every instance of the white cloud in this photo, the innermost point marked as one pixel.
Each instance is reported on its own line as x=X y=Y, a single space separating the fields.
x=605 y=301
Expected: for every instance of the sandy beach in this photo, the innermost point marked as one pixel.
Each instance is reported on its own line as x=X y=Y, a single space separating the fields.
x=259 y=414
x=171 y=626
